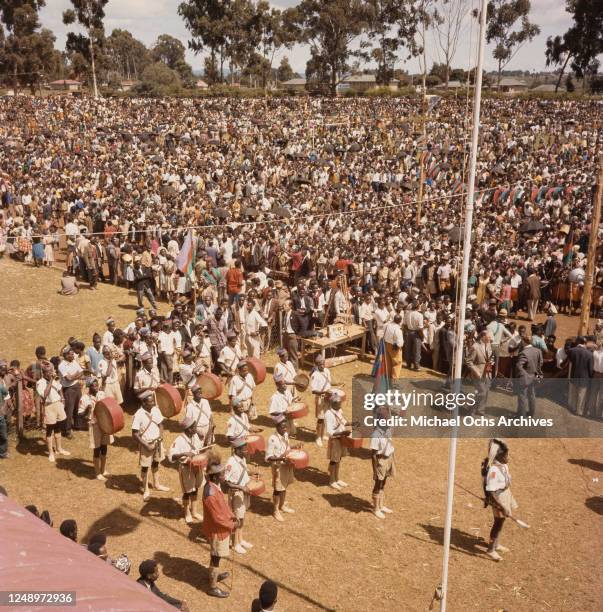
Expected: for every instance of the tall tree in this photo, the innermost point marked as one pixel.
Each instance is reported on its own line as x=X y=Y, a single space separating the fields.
x=581 y=44
x=26 y=51
x=509 y=28
x=448 y=30
x=170 y=51
x=89 y=14
x=127 y=54
x=284 y=71
x=329 y=27
x=384 y=16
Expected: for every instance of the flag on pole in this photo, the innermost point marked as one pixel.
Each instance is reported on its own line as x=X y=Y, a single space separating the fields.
x=186 y=258
x=380 y=371
x=568 y=248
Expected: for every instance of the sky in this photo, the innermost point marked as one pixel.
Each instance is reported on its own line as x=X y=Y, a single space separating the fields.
x=147 y=19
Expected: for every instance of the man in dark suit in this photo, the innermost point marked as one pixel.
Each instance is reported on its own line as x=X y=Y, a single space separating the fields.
x=581 y=371
x=528 y=369
x=143 y=282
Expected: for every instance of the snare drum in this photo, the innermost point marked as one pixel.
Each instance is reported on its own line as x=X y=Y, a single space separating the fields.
x=255 y=444
x=298 y=459
x=297 y=410
x=198 y=462
x=256 y=487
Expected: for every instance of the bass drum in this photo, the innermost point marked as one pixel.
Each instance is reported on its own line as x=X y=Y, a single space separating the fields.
x=109 y=416
x=257 y=370
x=169 y=400
x=211 y=385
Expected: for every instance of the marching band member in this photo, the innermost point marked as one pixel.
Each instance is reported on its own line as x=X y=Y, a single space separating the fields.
x=241 y=387
x=186 y=446
x=497 y=483
x=147 y=378
x=281 y=402
x=237 y=479
x=382 y=455
x=109 y=375
x=147 y=430
x=202 y=346
x=320 y=385
x=230 y=355
x=285 y=367
x=238 y=424
x=199 y=410
x=218 y=523
x=336 y=429
x=98 y=440
x=282 y=470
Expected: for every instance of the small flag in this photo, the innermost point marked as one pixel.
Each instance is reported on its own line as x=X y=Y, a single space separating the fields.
x=186 y=257
x=380 y=371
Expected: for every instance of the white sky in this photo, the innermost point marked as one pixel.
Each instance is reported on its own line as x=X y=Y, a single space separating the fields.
x=147 y=19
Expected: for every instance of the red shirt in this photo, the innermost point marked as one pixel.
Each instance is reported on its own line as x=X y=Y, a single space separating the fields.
x=296 y=261
x=234 y=280
x=217 y=516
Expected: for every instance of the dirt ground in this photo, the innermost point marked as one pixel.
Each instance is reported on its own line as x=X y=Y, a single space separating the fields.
x=333 y=554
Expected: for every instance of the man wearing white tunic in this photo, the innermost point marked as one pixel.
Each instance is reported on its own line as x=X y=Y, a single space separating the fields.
x=282 y=471
x=237 y=478
x=109 y=375
x=382 y=454
x=238 y=425
x=254 y=324
x=281 y=401
x=335 y=424
x=241 y=387
x=320 y=385
x=147 y=378
x=284 y=367
x=199 y=410
x=230 y=356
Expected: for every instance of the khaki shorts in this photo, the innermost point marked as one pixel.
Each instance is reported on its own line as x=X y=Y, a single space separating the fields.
x=319 y=408
x=191 y=479
x=97 y=437
x=335 y=450
x=239 y=502
x=146 y=457
x=282 y=476
x=220 y=548
x=383 y=467
x=54 y=413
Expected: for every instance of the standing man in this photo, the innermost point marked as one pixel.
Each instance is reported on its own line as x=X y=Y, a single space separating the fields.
x=109 y=376
x=528 y=370
x=51 y=399
x=533 y=282
x=147 y=378
x=4 y=410
x=290 y=332
x=143 y=283
x=480 y=363
x=320 y=385
x=281 y=401
x=218 y=523
x=336 y=429
x=147 y=429
x=394 y=341
x=108 y=335
x=167 y=350
x=237 y=479
x=254 y=324
x=413 y=322
x=284 y=367
x=241 y=387
x=71 y=373
x=382 y=456
x=581 y=371
x=99 y=441
x=282 y=470
x=199 y=410
x=186 y=445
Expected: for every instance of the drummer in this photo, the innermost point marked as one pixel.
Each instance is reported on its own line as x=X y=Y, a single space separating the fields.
x=285 y=367
x=336 y=429
x=281 y=401
x=237 y=479
x=147 y=430
x=320 y=385
x=199 y=410
x=241 y=387
x=186 y=446
x=202 y=346
x=282 y=470
x=147 y=378
x=99 y=441
x=109 y=373
x=238 y=425
x=382 y=455
x=230 y=355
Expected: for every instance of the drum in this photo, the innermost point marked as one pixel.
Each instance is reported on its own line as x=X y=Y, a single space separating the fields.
x=255 y=444
x=256 y=487
x=109 y=416
x=298 y=458
x=350 y=442
x=168 y=400
x=211 y=385
x=198 y=462
x=257 y=369
x=301 y=381
x=298 y=410
x=341 y=394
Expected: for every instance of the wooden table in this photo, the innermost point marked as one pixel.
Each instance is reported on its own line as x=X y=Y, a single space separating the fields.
x=354 y=332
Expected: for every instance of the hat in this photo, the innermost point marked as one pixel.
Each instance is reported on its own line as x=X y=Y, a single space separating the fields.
x=195 y=388
x=236 y=401
x=230 y=335
x=281 y=352
x=238 y=442
x=503 y=312
x=187 y=422
x=278 y=377
x=146 y=356
x=140 y=311
x=109 y=320
x=335 y=396
x=242 y=363
x=215 y=468
x=145 y=394
x=279 y=418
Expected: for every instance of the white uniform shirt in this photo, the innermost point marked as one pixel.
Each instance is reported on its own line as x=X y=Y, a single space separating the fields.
x=277 y=445
x=241 y=388
x=235 y=471
x=280 y=402
x=69 y=368
x=103 y=369
x=147 y=380
x=186 y=374
x=88 y=401
x=498 y=477
x=202 y=346
x=285 y=369
x=230 y=357
x=320 y=382
x=237 y=426
x=147 y=424
x=334 y=422
x=200 y=412
x=413 y=320
x=184 y=444
x=54 y=395
x=381 y=441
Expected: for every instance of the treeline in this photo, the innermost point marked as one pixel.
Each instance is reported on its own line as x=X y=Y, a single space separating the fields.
x=239 y=40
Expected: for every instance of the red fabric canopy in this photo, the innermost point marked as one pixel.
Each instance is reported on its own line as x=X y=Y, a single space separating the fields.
x=36 y=557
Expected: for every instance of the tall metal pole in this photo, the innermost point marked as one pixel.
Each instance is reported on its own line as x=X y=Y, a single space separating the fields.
x=592 y=253
x=458 y=357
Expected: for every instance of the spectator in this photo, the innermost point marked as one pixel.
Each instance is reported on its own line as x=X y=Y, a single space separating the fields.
x=149 y=573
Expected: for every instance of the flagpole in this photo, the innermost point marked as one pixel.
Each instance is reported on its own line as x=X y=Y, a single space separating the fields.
x=458 y=357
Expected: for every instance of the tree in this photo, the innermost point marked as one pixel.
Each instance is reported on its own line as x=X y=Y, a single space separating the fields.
x=581 y=44
x=505 y=32
x=129 y=57
x=329 y=27
x=170 y=51
x=26 y=51
x=158 y=80
x=89 y=14
x=284 y=71
x=448 y=30
x=383 y=40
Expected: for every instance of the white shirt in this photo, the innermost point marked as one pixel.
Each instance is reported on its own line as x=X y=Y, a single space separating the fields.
x=498 y=477
x=280 y=402
x=598 y=361
x=320 y=382
x=334 y=422
x=285 y=369
x=69 y=368
x=167 y=342
x=413 y=320
x=241 y=388
x=235 y=471
x=253 y=322
x=381 y=441
x=147 y=380
x=277 y=445
x=107 y=338
x=237 y=426
x=200 y=412
x=392 y=334
x=103 y=369
x=54 y=395
x=147 y=424
x=381 y=316
x=184 y=444
x=366 y=312
x=230 y=357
